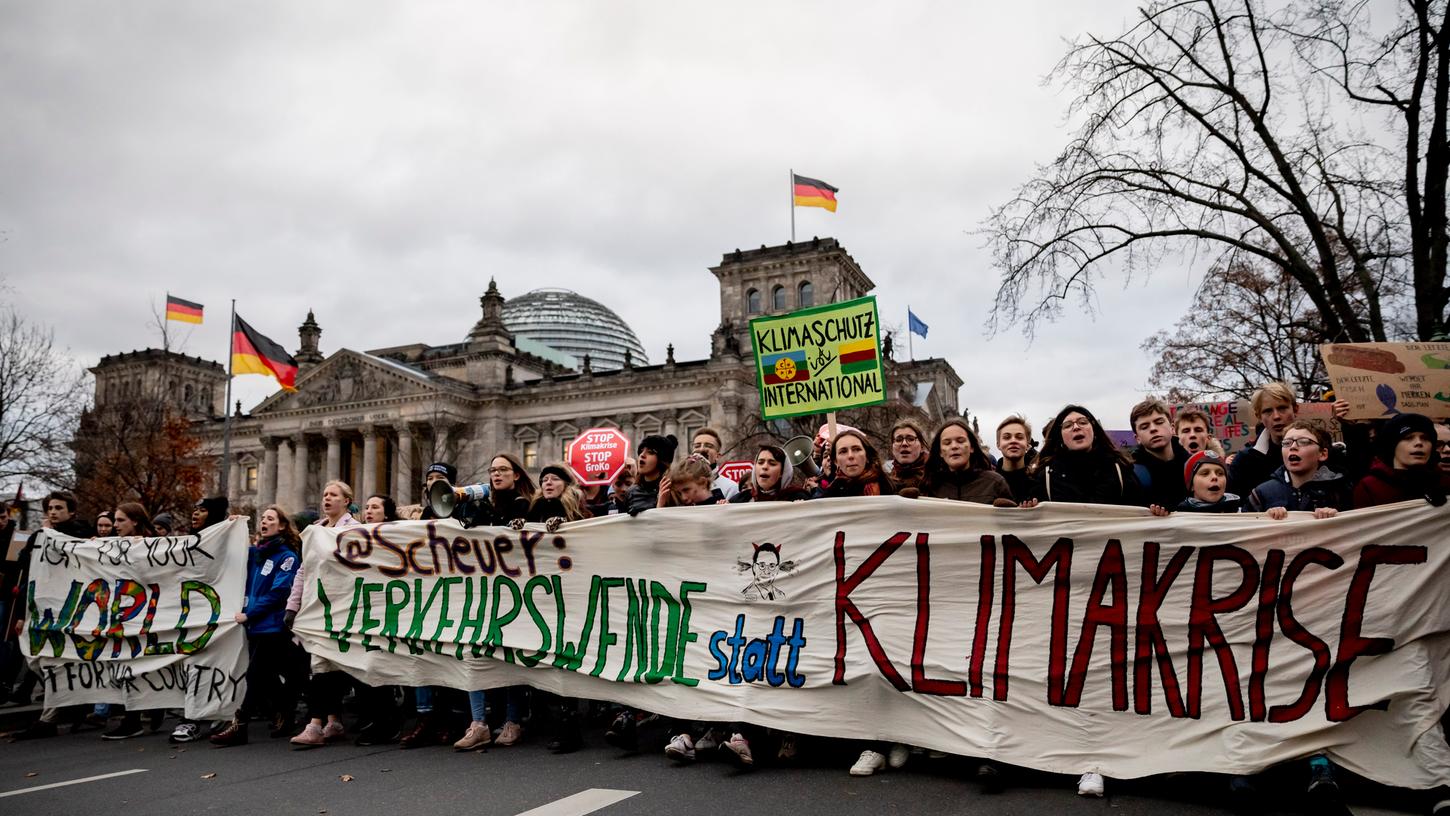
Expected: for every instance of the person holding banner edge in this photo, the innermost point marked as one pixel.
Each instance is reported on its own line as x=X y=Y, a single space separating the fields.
x=325 y=689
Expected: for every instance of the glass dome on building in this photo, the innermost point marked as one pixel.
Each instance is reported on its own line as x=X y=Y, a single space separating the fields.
x=575 y=325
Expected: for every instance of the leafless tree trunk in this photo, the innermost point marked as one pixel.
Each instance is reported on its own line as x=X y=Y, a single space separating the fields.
x=1208 y=127
x=42 y=394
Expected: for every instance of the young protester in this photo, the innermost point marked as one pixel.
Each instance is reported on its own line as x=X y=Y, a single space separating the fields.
x=689 y=483
x=325 y=690
x=656 y=454
x=378 y=509
x=855 y=468
x=1275 y=406
x=1159 y=459
x=131 y=521
x=205 y=513
x=105 y=523
x=1078 y=463
x=1303 y=482
x=510 y=489
x=380 y=723
x=909 y=457
x=1206 y=477
x=164 y=524
x=1014 y=442
x=273 y=563
x=958 y=468
x=706 y=442
x=771 y=479
x=1442 y=447
x=60 y=515
x=1406 y=464
x=1194 y=430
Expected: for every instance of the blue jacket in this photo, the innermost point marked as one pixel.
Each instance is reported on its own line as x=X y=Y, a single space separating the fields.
x=1325 y=489
x=271 y=569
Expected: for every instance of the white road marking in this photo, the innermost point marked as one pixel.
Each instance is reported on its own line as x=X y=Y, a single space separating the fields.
x=583 y=802
x=81 y=781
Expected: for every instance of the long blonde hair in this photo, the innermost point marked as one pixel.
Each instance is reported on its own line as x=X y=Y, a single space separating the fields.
x=693 y=469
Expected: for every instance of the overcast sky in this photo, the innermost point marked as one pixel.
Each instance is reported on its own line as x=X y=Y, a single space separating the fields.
x=378 y=163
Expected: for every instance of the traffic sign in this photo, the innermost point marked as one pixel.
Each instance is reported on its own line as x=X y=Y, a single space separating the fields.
x=598 y=455
x=735 y=471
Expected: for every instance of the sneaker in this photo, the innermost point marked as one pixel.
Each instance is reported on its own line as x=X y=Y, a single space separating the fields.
x=1243 y=795
x=234 y=734
x=869 y=763
x=707 y=742
x=738 y=749
x=681 y=749
x=787 y=748
x=510 y=734
x=474 y=738
x=130 y=726
x=1323 y=788
x=94 y=720
x=185 y=731
x=333 y=731
x=1090 y=784
x=898 y=756
x=568 y=740
x=1440 y=808
x=989 y=776
x=623 y=733
x=311 y=737
x=40 y=729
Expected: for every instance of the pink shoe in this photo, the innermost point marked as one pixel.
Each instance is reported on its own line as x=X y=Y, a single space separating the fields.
x=476 y=737
x=509 y=734
x=333 y=732
x=311 y=737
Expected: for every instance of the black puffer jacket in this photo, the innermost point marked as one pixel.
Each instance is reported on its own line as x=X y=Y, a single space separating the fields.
x=500 y=508
x=1087 y=478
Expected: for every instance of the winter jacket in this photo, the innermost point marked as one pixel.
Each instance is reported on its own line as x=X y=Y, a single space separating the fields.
x=643 y=496
x=1163 y=483
x=1086 y=478
x=544 y=509
x=1386 y=485
x=1020 y=480
x=791 y=492
x=1228 y=504
x=500 y=508
x=1325 y=488
x=271 y=570
x=968 y=485
x=870 y=483
x=1254 y=465
x=908 y=476
x=728 y=487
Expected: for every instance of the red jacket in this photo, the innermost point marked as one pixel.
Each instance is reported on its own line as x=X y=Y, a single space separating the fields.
x=1385 y=485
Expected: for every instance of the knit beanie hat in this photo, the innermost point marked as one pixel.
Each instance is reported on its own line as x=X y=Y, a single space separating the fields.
x=216 y=509
x=663 y=446
x=449 y=472
x=1198 y=460
x=558 y=470
x=1396 y=428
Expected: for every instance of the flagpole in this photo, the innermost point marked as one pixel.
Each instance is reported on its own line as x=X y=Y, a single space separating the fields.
x=791 y=189
x=165 y=318
x=909 y=352
x=225 y=487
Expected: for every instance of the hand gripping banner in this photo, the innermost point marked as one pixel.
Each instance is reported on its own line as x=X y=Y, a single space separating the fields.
x=145 y=622
x=1067 y=638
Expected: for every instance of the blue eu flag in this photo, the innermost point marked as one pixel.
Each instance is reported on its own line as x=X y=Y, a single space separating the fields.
x=915 y=324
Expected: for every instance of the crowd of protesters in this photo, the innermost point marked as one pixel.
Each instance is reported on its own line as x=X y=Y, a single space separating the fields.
x=1294 y=464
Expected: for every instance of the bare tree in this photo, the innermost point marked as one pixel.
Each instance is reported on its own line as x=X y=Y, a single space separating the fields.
x=42 y=394
x=139 y=448
x=1247 y=326
x=1208 y=127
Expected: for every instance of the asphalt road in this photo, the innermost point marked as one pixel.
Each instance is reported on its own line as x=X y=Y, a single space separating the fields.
x=265 y=777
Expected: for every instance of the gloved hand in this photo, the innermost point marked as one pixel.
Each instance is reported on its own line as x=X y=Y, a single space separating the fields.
x=516 y=524
x=552 y=525
x=288 y=618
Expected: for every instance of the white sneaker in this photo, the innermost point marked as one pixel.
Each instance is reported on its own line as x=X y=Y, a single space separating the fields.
x=681 y=749
x=185 y=732
x=898 y=756
x=708 y=742
x=1090 y=784
x=869 y=763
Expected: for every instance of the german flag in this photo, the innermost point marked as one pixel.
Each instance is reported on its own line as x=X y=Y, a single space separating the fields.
x=254 y=353
x=811 y=192
x=858 y=356
x=182 y=310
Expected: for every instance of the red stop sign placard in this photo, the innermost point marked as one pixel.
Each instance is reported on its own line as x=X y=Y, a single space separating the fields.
x=735 y=471
x=598 y=455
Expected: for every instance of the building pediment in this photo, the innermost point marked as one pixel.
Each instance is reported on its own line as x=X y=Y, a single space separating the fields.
x=348 y=378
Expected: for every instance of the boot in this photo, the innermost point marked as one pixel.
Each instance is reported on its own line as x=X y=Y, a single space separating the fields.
x=234 y=734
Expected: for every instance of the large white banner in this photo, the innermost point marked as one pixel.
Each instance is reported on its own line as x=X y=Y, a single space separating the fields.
x=145 y=622
x=1067 y=638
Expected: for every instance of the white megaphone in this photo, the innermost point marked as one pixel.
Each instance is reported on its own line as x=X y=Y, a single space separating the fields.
x=799 y=450
x=443 y=497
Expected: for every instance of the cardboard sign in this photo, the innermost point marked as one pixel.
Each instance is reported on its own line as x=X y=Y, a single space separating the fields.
x=1385 y=379
x=818 y=360
x=598 y=455
x=1065 y=638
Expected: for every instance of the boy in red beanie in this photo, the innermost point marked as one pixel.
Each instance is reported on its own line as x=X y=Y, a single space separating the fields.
x=1206 y=478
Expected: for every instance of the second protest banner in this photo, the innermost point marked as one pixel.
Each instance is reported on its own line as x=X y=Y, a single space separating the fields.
x=1067 y=638
x=817 y=360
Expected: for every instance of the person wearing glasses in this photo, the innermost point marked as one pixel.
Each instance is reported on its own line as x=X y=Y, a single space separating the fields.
x=1079 y=463
x=1304 y=482
x=909 y=456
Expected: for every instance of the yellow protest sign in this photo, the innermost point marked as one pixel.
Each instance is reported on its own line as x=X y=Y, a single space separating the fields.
x=821 y=359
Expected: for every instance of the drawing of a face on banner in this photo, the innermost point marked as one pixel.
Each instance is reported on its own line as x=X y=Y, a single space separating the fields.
x=765 y=567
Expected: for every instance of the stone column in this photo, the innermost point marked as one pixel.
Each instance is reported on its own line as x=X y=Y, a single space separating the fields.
x=334 y=456
x=267 y=478
x=299 y=471
x=234 y=480
x=403 y=466
x=671 y=421
x=369 y=478
x=284 y=475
